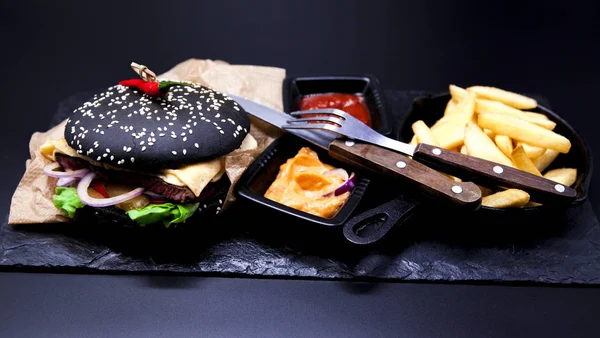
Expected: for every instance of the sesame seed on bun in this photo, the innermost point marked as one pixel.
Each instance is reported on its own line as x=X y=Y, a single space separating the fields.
x=124 y=127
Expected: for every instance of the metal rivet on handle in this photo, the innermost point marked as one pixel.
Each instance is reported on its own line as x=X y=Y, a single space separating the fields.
x=350 y=143
x=401 y=164
x=498 y=169
x=559 y=188
x=436 y=151
x=456 y=189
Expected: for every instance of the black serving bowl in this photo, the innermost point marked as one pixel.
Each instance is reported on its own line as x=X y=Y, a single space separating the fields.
x=486 y=225
x=431 y=108
x=257 y=178
x=294 y=88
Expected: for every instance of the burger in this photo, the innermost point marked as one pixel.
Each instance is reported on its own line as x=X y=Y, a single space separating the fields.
x=147 y=153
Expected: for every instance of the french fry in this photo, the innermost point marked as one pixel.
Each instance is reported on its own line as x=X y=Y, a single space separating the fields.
x=449 y=134
x=489 y=133
x=523 y=162
x=457 y=93
x=442 y=121
x=423 y=133
x=454 y=178
x=538 y=116
x=531 y=204
x=546 y=124
x=509 y=98
x=532 y=152
x=564 y=176
x=546 y=159
x=524 y=131
x=504 y=143
x=509 y=198
x=464 y=110
x=485 y=191
x=483 y=106
x=449 y=107
x=481 y=146
x=464 y=150
x=413 y=141
x=542 y=121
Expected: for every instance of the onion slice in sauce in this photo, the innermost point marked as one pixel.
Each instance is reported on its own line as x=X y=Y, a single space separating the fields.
x=49 y=170
x=82 y=192
x=348 y=185
x=337 y=172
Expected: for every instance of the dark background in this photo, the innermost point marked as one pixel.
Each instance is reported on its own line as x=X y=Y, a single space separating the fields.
x=53 y=49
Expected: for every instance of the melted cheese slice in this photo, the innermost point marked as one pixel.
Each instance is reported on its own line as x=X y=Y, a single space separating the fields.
x=195 y=176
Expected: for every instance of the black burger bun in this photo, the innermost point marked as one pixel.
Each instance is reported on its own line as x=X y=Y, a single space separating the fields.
x=125 y=128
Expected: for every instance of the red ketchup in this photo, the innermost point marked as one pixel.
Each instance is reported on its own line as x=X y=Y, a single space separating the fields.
x=350 y=103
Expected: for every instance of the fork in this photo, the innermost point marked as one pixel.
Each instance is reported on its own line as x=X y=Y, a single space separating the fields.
x=483 y=172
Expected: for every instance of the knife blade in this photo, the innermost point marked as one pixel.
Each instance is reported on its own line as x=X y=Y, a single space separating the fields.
x=378 y=159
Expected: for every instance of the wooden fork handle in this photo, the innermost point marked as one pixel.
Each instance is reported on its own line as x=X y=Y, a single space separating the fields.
x=494 y=175
x=395 y=165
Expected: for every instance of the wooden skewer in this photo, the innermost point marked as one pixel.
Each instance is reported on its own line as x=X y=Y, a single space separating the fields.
x=144 y=72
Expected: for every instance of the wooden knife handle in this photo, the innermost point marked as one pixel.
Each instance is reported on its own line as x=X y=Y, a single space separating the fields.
x=393 y=164
x=492 y=174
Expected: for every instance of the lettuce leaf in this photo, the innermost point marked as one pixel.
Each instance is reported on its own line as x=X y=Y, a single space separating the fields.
x=66 y=199
x=167 y=213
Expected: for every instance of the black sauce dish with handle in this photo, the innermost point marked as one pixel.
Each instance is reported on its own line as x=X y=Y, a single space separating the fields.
x=372 y=225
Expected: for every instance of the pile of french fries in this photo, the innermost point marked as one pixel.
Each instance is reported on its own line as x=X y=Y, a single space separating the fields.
x=495 y=125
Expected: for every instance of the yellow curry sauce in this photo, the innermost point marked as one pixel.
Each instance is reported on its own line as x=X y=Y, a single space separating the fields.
x=301 y=184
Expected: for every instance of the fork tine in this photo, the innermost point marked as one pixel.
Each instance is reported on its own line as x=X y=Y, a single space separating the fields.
x=324 y=126
x=316 y=119
x=331 y=111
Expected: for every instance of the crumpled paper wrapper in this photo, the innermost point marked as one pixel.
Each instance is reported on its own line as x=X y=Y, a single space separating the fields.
x=32 y=200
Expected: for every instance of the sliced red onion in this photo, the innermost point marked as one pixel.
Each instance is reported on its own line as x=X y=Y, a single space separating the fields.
x=49 y=170
x=82 y=192
x=345 y=187
x=338 y=172
x=65 y=181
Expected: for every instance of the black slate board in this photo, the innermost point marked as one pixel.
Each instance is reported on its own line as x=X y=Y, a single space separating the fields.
x=428 y=247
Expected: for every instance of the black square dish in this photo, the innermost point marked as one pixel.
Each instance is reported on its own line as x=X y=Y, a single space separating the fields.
x=367 y=87
x=257 y=178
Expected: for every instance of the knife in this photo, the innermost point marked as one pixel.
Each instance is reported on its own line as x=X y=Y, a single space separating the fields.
x=378 y=159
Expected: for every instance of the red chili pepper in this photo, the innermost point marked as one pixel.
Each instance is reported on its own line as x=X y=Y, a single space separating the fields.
x=151 y=88
x=100 y=188
x=132 y=83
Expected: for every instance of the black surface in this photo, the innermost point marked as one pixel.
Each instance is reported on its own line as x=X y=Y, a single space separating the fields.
x=435 y=244
x=54 y=49
x=142 y=306
x=126 y=128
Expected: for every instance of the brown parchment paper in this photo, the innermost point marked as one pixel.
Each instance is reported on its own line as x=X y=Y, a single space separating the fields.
x=32 y=200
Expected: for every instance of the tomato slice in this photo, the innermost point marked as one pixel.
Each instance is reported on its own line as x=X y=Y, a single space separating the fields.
x=100 y=188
